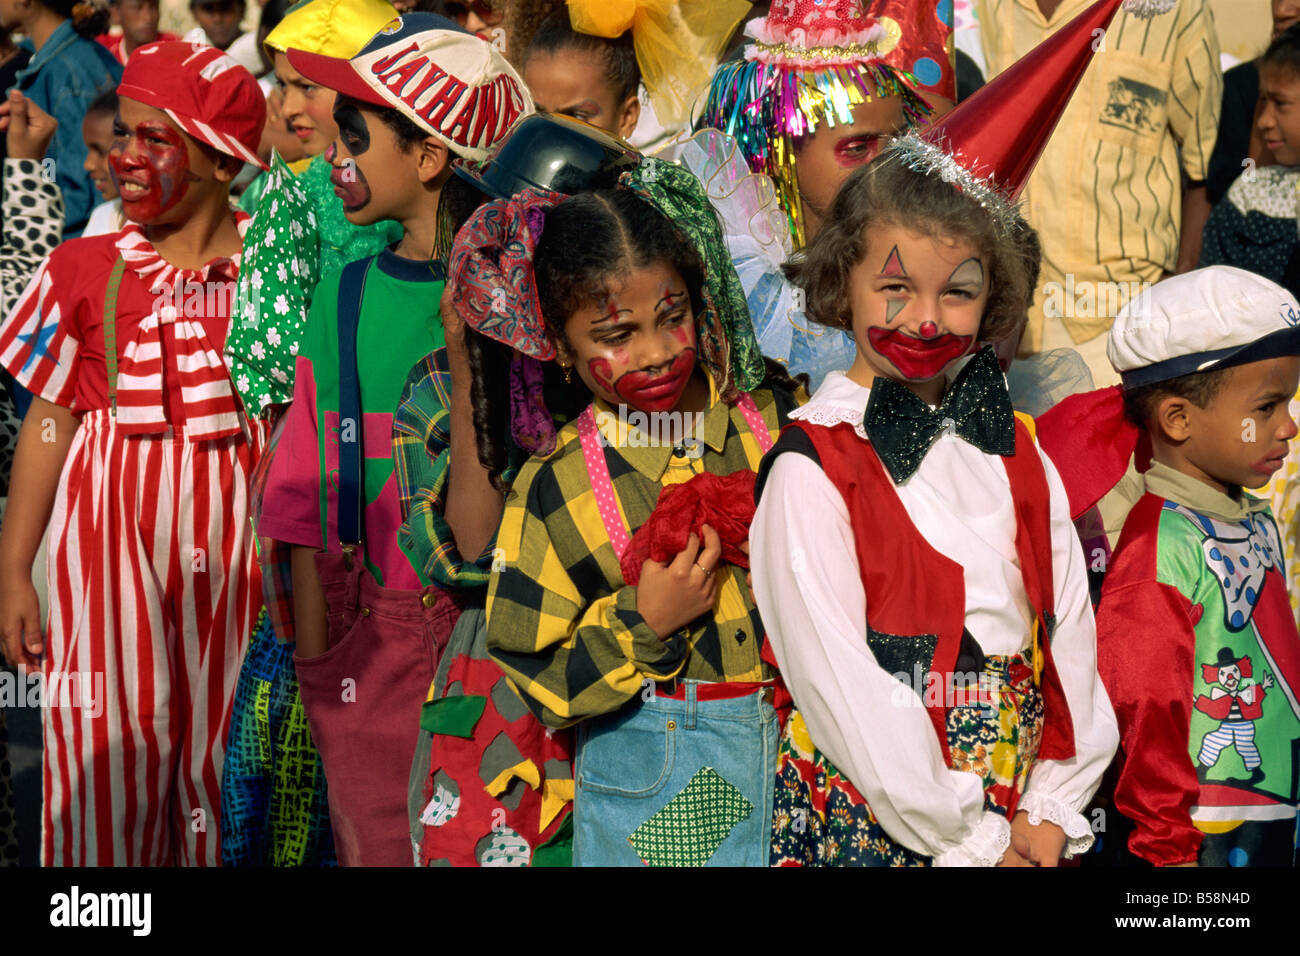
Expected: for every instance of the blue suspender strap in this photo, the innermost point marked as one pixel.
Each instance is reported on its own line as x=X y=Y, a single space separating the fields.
x=351 y=486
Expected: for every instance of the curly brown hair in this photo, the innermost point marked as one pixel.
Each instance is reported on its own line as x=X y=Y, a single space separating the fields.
x=522 y=19
x=887 y=192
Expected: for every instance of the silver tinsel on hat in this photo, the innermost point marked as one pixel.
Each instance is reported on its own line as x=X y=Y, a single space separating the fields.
x=933 y=159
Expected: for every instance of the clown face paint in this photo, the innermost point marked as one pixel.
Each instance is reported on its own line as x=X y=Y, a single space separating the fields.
x=149 y=161
x=638 y=347
x=917 y=302
x=349 y=181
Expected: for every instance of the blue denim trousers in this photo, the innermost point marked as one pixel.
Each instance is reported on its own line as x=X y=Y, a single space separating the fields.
x=676 y=782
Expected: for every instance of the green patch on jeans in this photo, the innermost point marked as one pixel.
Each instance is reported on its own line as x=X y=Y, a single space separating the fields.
x=693 y=825
x=454 y=716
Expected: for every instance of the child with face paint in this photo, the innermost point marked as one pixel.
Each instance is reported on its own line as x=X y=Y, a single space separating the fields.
x=419 y=94
x=137 y=454
x=819 y=92
x=970 y=728
x=457 y=816
x=298 y=234
x=635 y=299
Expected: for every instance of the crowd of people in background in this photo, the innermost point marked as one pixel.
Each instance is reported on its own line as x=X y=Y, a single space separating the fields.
x=668 y=432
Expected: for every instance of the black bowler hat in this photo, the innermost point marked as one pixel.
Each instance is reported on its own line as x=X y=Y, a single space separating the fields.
x=550 y=151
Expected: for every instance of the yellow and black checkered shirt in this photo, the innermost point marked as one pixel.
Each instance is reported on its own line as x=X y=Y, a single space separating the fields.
x=561 y=621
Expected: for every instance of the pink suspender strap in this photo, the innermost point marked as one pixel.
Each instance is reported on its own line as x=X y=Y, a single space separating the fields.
x=754 y=418
x=593 y=452
x=602 y=485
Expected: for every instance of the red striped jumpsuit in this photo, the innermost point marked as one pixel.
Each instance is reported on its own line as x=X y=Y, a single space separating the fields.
x=153 y=583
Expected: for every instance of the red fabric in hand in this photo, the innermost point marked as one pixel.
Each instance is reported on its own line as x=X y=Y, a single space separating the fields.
x=724 y=502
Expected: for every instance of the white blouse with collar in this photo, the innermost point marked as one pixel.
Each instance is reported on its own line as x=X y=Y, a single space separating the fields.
x=870 y=725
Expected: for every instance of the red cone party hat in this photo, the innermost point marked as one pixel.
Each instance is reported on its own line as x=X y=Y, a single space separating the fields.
x=990 y=143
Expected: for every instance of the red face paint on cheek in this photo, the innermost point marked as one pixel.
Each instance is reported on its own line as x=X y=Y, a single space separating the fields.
x=683 y=336
x=152 y=176
x=919 y=359
x=602 y=373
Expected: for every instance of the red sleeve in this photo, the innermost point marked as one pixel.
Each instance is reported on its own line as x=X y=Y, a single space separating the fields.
x=1146 y=649
x=40 y=339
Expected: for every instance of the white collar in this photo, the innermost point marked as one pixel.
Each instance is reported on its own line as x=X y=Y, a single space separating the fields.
x=839 y=399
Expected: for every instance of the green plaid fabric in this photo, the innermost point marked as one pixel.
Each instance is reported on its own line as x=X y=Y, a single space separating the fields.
x=694 y=823
x=561 y=621
x=421 y=459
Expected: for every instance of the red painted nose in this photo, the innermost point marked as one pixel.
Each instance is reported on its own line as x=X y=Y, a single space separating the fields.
x=928 y=330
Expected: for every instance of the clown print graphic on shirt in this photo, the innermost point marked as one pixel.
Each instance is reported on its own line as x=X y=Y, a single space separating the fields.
x=1244 y=733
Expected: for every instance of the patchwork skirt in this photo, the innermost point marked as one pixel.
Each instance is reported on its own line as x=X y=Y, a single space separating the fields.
x=821 y=819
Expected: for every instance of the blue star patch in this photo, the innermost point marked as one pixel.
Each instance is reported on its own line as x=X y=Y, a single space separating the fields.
x=41 y=349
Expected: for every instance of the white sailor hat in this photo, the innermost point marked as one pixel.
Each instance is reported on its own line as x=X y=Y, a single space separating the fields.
x=1207 y=319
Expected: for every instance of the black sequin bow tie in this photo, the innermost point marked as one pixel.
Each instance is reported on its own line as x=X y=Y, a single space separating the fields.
x=902 y=428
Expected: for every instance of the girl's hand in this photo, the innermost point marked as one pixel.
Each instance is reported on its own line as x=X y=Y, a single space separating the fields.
x=1042 y=845
x=20 y=620
x=1012 y=858
x=670 y=596
x=28 y=129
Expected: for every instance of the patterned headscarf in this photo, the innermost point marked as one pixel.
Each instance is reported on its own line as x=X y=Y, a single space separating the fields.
x=494 y=289
x=491 y=272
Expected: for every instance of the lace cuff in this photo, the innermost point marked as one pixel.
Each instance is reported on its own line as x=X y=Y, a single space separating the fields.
x=984 y=847
x=1078 y=832
x=829 y=415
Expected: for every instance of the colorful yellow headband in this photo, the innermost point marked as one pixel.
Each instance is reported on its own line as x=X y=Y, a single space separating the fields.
x=677 y=43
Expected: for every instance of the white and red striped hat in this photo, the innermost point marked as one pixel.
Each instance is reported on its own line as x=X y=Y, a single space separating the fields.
x=204 y=91
x=442 y=78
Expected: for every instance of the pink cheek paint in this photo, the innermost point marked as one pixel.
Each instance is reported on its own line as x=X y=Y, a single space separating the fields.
x=657 y=393
x=916 y=359
x=683 y=337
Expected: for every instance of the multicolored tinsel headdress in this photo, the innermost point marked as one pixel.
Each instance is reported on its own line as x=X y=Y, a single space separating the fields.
x=494 y=289
x=677 y=43
x=990 y=143
x=812 y=61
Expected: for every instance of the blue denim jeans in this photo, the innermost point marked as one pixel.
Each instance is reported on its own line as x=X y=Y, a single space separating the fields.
x=676 y=782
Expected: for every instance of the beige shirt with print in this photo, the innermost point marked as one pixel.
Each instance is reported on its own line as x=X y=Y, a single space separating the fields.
x=1106 y=196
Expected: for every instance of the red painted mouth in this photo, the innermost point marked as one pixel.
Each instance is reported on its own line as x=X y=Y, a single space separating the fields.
x=1266 y=466
x=353 y=190
x=657 y=393
x=919 y=359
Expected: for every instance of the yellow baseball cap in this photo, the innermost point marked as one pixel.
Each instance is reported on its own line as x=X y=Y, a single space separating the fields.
x=330 y=27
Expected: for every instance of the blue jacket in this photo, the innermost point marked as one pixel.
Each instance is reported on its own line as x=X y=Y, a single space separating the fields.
x=64 y=78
